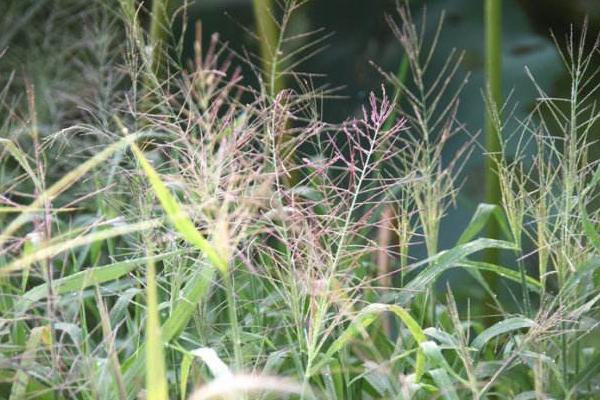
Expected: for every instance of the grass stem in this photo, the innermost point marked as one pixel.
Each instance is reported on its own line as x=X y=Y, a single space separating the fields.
x=268 y=35
x=493 y=73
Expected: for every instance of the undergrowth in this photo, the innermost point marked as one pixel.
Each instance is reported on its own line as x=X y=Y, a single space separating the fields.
x=180 y=231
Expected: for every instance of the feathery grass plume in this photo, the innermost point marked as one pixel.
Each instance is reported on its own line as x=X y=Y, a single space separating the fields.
x=431 y=116
x=197 y=253
x=546 y=197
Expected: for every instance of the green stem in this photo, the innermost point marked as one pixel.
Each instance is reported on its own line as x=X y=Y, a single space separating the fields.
x=401 y=76
x=159 y=31
x=493 y=72
x=233 y=321
x=268 y=34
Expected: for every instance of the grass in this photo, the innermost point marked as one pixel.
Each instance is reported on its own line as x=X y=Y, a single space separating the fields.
x=167 y=254
x=493 y=73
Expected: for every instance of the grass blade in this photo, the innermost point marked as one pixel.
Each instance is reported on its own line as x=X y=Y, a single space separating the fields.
x=502 y=327
x=365 y=318
x=38 y=336
x=196 y=288
x=52 y=250
x=482 y=216
x=63 y=184
x=178 y=217
x=84 y=279
x=156 y=373
x=445 y=260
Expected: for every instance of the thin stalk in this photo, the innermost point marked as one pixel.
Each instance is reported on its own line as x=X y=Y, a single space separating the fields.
x=316 y=341
x=524 y=288
x=493 y=72
x=233 y=321
x=388 y=221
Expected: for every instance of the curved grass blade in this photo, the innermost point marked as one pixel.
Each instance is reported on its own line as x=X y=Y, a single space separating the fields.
x=443 y=261
x=365 y=318
x=52 y=250
x=480 y=219
x=63 y=184
x=178 y=217
x=500 y=328
x=84 y=279
x=504 y=272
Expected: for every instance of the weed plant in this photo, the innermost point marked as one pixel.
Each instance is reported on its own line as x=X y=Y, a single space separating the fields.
x=154 y=245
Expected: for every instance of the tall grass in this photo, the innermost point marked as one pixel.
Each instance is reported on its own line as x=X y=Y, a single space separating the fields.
x=194 y=268
x=493 y=78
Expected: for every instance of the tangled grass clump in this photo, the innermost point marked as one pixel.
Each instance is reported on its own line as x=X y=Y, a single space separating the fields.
x=194 y=235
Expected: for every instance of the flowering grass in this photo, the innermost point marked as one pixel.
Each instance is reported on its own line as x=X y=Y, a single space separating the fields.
x=189 y=233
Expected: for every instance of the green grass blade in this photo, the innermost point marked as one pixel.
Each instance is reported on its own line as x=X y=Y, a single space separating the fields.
x=365 y=318
x=184 y=374
x=444 y=383
x=504 y=272
x=63 y=184
x=482 y=216
x=84 y=279
x=38 y=336
x=500 y=328
x=587 y=374
x=193 y=292
x=445 y=260
x=52 y=250
x=268 y=35
x=21 y=158
x=590 y=231
x=109 y=343
x=178 y=217
x=156 y=372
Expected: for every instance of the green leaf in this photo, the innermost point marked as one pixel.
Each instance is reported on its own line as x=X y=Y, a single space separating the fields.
x=445 y=260
x=196 y=288
x=184 y=374
x=54 y=249
x=444 y=383
x=38 y=336
x=591 y=371
x=591 y=233
x=433 y=353
x=504 y=272
x=64 y=183
x=178 y=217
x=365 y=318
x=480 y=219
x=21 y=158
x=156 y=372
x=500 y=328
x=84 y=279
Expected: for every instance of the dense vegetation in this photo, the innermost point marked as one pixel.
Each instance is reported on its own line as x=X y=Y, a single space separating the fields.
x=193 y=227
